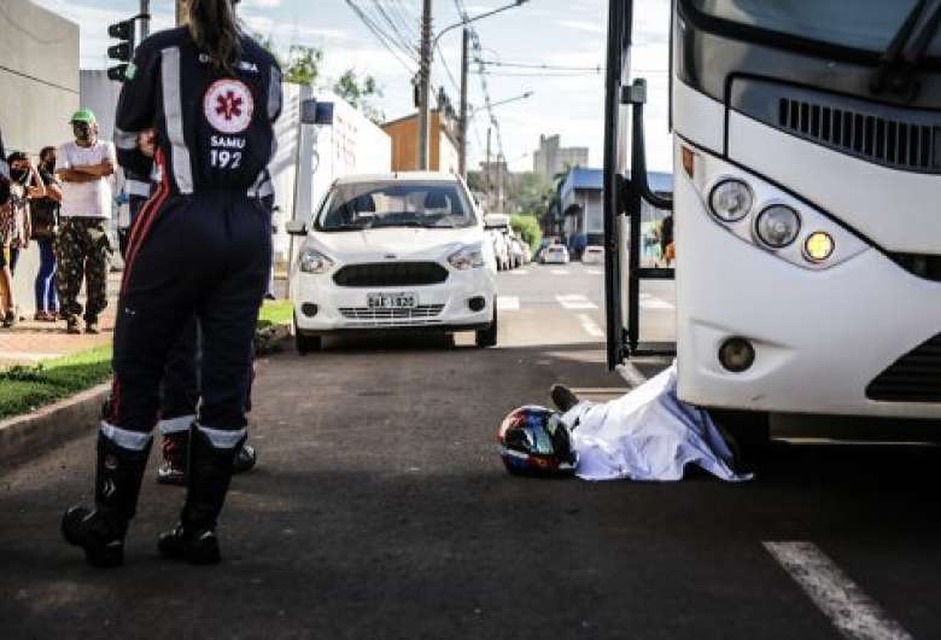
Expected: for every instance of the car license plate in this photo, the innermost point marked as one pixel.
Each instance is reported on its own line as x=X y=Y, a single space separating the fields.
x=392 y=300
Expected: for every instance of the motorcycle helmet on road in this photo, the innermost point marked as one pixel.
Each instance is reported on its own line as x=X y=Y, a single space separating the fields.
x=534 y=440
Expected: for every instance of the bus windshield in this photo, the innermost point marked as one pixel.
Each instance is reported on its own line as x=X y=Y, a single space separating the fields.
x=858 y=24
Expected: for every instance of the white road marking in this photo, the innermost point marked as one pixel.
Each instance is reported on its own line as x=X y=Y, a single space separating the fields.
x=594 y=272
x=508 y=303
x=850 y=610
x=559 y=272
x=519 y=272
x=589 y=326
x=648 y=301
x=575 y=301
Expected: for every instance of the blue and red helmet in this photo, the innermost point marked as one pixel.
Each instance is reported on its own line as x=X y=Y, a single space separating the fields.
x=534 y=440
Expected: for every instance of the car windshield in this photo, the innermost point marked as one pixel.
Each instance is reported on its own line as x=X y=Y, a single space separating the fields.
x=859 y=24
x=370 y=205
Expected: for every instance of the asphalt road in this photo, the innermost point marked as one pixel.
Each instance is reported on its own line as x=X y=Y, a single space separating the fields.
x=380 y=509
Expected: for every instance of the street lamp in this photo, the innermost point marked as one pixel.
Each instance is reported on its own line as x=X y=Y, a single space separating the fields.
x=424 y=73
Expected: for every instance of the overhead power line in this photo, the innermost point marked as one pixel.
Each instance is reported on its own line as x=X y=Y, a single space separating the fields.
x=389 y=42
x=547 y=67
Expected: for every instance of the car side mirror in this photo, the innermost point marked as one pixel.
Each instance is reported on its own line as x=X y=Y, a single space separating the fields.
x=296 y=228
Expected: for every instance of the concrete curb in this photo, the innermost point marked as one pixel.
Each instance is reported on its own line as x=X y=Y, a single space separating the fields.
x=24 y=436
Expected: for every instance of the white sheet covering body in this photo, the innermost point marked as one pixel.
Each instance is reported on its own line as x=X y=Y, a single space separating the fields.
x=647 y=434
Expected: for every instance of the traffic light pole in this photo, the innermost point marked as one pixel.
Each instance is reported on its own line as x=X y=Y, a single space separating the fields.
x=145 y=21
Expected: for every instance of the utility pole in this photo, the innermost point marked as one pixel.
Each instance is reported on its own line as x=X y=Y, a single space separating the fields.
x=424 y=80
x=489 y=170
x=462 y=158
x=145 y=21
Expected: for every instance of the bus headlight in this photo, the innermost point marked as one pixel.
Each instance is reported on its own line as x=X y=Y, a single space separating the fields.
x=731 y=200
x=778 y=226
x=312 y=261
x=818 y=246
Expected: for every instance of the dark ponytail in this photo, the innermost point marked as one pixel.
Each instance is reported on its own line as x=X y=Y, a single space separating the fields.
x=215 y=30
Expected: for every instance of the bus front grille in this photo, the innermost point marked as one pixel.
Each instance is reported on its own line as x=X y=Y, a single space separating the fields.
x=897 y=139
x=915 y=377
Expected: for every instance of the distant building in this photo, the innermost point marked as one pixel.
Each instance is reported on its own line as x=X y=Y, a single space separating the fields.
x=443 y=135
x=551 y=158
x=582 y=210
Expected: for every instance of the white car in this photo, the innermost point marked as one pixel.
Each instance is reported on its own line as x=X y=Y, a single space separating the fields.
x=555 y=254
x=394 y=251
x=593 y=254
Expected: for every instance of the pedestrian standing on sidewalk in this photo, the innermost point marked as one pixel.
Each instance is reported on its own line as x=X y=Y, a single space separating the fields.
x=201 y=247
x=6 y=222
x=84 y=167
x=44 y=221
x=25 y=185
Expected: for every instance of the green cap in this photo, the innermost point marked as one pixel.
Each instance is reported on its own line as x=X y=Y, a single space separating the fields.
x=83 y=115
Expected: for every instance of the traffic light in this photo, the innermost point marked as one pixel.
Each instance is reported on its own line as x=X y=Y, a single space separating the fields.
x=123 y=51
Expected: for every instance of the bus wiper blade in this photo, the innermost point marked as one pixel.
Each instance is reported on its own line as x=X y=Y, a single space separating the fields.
x=897 y=69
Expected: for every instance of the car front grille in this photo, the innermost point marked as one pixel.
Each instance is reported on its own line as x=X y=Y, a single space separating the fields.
x=390 y=274
x=420 y=315
x=915 y=377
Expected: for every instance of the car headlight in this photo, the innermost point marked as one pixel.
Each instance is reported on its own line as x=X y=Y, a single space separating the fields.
x=469 y=257
x=777 y=226
x=312 y=261
x=731 y=200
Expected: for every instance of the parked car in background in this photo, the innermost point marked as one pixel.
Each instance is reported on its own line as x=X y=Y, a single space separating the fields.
x=501 y=248
x=593 y=254
x=517 y=253
x=555 y=254
x=394 y=251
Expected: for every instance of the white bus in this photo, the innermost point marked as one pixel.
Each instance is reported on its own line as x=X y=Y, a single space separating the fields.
x=806 y=204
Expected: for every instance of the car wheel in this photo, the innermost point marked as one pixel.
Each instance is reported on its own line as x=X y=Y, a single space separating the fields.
x=306 y=344
x=487 y=337
x=749 y=432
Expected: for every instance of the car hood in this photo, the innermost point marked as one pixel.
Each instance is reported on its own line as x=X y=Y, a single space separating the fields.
x=404 y=243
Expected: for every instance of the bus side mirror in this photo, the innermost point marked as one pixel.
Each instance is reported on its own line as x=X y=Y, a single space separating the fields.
x=296 y=228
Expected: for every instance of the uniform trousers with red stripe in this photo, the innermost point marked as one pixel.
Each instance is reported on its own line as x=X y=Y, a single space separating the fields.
x=205 y=256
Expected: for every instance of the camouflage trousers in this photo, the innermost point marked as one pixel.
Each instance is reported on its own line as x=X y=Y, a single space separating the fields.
x=83 y=251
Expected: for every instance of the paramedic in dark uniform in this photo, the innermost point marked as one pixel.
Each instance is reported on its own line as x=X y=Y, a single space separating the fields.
x=201 y=246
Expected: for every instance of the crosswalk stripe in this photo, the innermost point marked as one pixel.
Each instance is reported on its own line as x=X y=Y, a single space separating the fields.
x=519 y=272
x=508 y=303
x=575 y=301
x=589 y=326
x=559 y=272
x=851 y=611
x=594 y=272
x=648 y=301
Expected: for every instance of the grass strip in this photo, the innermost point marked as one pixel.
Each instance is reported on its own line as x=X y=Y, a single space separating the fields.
x=23 y=388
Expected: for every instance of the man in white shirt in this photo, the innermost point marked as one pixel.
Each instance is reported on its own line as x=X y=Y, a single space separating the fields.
x=84 y=168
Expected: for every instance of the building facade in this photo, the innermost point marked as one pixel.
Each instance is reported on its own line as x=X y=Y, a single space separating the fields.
x=443 y=136
x=39 y=92
x=551 y=158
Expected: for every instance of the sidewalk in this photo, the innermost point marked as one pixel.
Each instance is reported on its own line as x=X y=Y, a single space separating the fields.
x=31 y=342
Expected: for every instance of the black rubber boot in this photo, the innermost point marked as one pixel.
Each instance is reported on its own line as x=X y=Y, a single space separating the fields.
x=563 y=397
x=210 y=470
x=100 y=532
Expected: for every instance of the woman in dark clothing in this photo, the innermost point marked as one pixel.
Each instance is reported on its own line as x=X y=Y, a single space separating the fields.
x=44 y=218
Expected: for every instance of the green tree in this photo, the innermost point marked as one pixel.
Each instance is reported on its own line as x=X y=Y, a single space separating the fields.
x=358 y=92
x=527 y=225
x=302 y=65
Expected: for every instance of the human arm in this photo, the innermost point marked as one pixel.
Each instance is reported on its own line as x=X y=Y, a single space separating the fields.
x=101 y=170
x=37 y=188
x=136 y=111
x=74 y=175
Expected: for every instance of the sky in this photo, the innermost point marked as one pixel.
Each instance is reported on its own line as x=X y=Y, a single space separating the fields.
x=562 y=33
